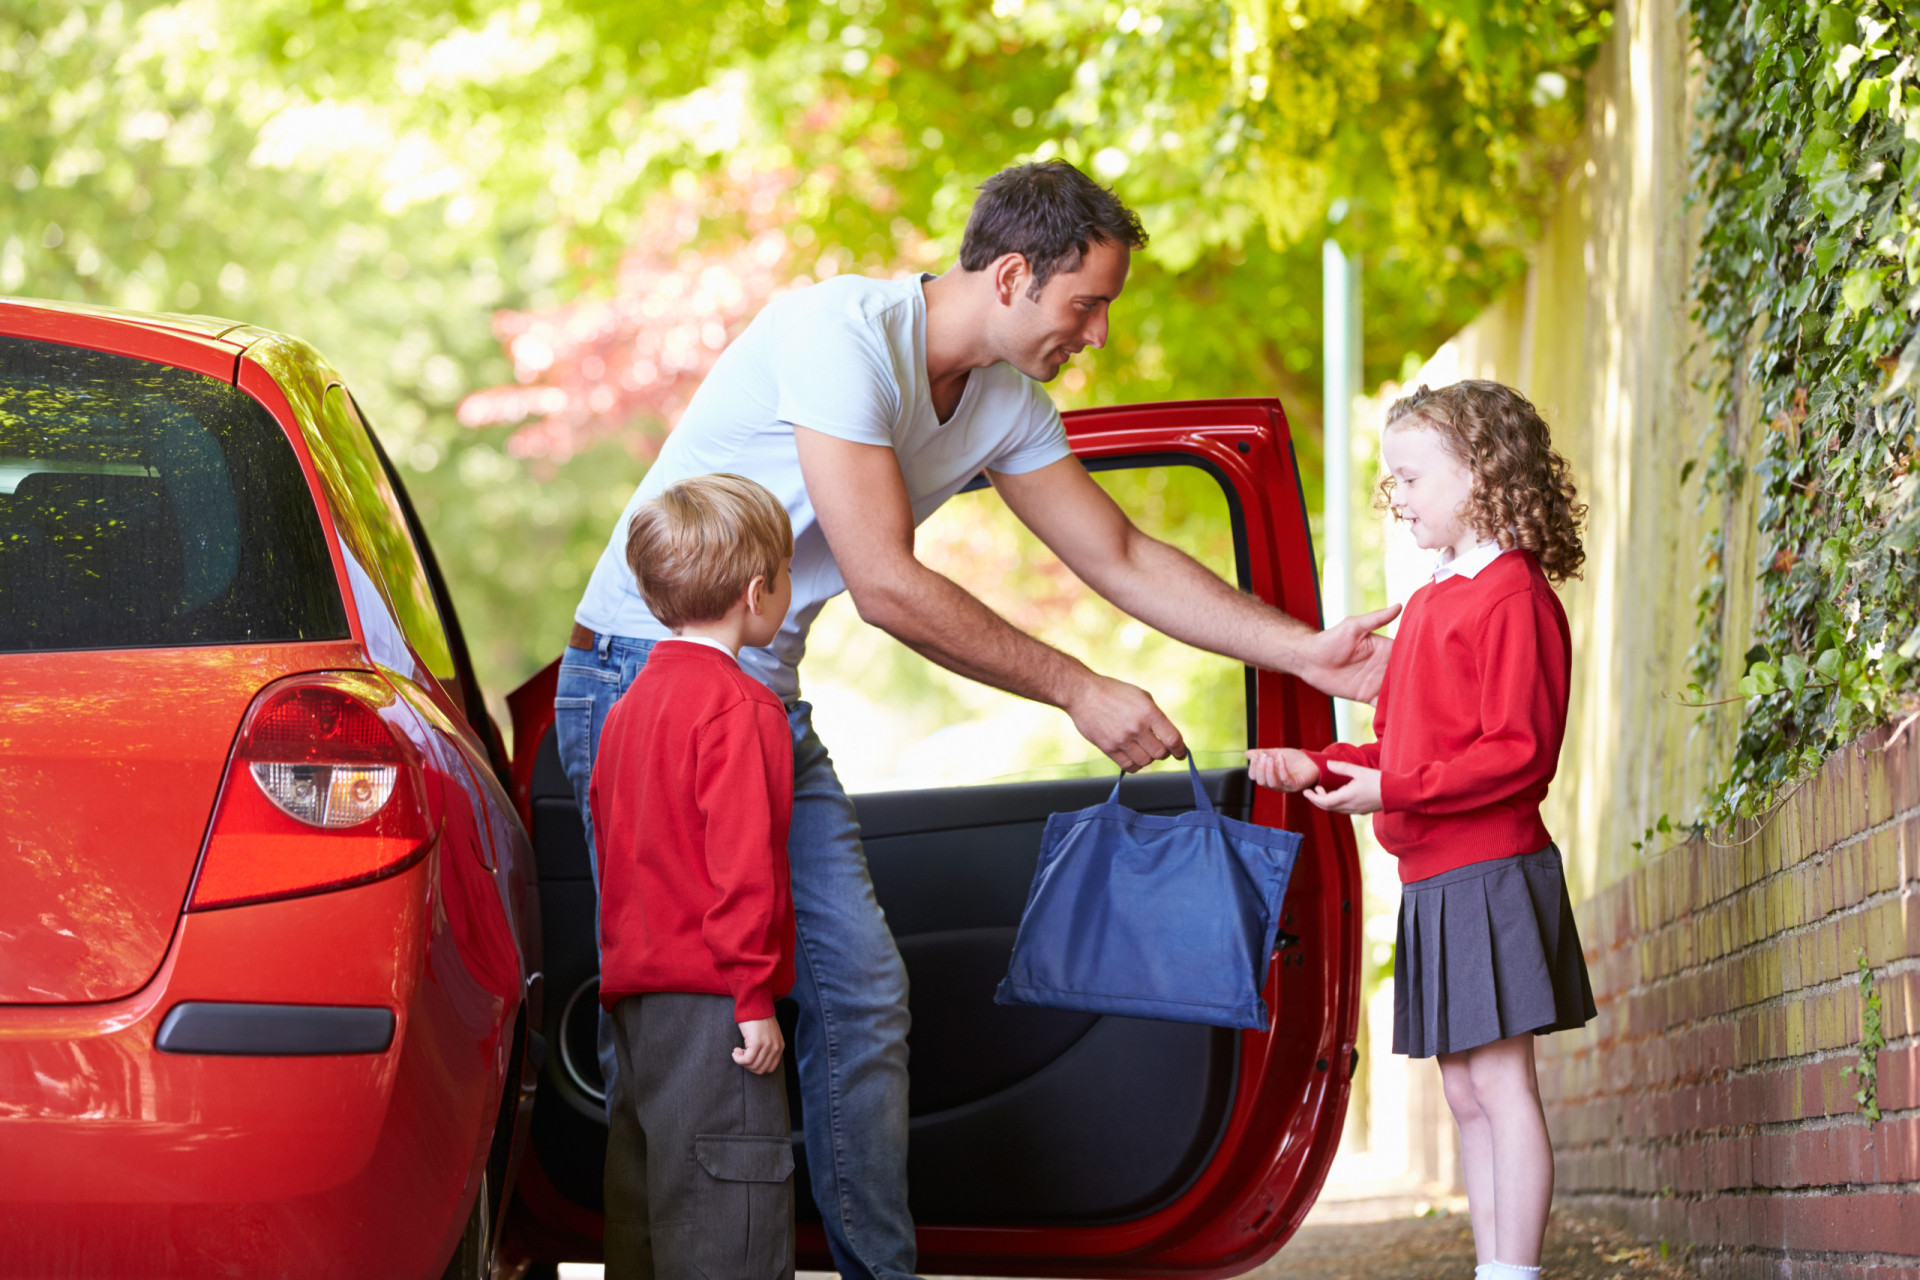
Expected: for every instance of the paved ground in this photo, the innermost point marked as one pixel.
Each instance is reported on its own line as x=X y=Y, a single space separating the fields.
x=1440 y=1247
x=1392 y=1239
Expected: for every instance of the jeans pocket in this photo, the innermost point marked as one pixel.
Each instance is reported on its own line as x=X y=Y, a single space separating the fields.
x=574 y=739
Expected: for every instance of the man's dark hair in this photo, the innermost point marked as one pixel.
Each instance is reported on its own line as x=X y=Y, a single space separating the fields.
x=1048 y=213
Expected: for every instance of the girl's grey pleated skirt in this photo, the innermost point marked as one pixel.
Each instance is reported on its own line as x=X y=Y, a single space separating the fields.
x=1487 y=951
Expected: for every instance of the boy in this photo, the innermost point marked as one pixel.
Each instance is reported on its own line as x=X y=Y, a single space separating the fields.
x=692 y=794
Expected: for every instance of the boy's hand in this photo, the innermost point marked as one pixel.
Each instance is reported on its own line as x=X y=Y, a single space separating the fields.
x=763 y=1047
x=1358 y=794
x=1282 y=768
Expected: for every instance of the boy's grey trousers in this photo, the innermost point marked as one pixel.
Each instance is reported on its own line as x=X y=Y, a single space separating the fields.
x=699 y=1149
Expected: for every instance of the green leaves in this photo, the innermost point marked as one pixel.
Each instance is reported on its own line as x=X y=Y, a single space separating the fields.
x=1866 y=1066
x=1827 y=665
x=1807 y=155
x=383 y=179
x=1861 y=289
x=1832 y=190
x=1904 y=368
x=1835 y=26
x=1874 y=94
x=1762 y=678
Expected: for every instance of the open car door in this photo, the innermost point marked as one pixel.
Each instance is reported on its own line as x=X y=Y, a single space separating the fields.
x=1044 y=1142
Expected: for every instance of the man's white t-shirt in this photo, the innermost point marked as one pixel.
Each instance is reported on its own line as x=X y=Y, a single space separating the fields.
x=848 y=358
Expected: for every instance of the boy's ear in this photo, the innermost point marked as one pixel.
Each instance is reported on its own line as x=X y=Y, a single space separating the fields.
x=756 y=590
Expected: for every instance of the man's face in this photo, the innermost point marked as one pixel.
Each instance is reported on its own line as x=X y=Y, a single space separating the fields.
x=1039 y=335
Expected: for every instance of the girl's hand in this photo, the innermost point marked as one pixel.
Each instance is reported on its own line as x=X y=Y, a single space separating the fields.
x=761 y=1052
x=1282 y=769
x=1360 y=794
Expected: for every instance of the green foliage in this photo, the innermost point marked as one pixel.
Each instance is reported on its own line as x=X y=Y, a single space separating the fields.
x=1873 y=1039
x=1662 y=826
x=161 y=157
x=380 y=179
x=1436 y=124
x=1807 y=289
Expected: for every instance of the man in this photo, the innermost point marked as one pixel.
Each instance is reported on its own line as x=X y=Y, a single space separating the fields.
x=863 y=405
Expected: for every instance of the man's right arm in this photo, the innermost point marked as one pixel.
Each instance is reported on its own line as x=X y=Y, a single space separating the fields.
x=862 y=504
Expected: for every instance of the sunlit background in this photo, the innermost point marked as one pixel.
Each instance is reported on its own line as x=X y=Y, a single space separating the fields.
x=523 y=230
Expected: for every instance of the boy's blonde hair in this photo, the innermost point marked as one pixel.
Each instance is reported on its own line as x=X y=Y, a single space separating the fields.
x=1523 y=491
x=695 y=548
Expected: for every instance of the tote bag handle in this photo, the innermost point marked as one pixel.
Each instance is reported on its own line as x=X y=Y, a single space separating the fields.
x=1201 y=802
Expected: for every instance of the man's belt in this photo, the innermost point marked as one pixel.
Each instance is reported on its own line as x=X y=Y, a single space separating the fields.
x=582 y=637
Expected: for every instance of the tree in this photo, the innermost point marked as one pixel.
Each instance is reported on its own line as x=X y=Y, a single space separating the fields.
x=383 y=179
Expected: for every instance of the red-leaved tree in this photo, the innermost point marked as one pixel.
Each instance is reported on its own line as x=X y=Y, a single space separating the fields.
x=626 y=364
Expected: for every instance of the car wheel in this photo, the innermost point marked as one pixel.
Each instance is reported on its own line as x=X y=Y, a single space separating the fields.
x=473 y=1259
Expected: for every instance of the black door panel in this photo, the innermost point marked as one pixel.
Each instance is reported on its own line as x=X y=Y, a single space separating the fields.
x=1114 y=1128
x=569 y=1131
x=1023 y=1114
x=1019 y=1114
x=966 y=1047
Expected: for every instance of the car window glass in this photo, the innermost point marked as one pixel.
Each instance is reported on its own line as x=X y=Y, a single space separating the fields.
x=372 y=523
x=895 y=720
x=144 y=505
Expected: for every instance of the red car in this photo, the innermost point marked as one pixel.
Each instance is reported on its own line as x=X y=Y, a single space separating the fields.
x=1043 y=1143
x=269 y=943
x=270 y=928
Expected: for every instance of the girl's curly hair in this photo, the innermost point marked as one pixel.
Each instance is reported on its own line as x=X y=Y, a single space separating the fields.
x=1522 y=492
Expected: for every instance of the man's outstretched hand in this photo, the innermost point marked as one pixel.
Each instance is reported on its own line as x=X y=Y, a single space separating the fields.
x=1348 y=660
x=1125 y=722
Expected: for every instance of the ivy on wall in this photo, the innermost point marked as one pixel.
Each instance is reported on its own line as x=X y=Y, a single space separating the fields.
x=1807 y=289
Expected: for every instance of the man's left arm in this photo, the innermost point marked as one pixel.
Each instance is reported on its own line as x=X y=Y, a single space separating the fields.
x=1172 y=592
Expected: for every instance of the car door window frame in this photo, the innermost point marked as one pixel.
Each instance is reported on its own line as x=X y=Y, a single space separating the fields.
x=472 y=701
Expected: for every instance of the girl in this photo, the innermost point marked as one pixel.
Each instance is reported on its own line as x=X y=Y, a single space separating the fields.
x=1476 y=692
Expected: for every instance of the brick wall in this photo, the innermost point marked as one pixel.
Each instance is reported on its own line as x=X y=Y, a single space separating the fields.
x=1707 y=1104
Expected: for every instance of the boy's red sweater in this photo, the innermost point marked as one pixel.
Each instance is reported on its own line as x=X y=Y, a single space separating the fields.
x=1476 y=693
x=692 y=794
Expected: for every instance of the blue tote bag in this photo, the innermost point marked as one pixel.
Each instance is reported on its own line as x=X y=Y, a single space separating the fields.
x=1152 y=916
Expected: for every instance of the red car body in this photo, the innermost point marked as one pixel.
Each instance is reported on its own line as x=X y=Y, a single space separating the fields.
x=161 y=924
x=1261 y=1154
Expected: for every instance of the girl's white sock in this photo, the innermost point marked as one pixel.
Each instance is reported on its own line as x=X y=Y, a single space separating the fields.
x=1480 y=1271
x=1505 y=1271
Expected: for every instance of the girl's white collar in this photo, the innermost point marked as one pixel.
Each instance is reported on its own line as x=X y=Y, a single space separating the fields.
x=1470 y=564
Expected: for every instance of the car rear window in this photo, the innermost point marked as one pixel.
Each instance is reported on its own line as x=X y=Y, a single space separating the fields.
x=145 y=505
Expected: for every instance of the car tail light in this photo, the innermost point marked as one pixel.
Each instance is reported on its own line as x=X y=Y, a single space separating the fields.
x=322 y=791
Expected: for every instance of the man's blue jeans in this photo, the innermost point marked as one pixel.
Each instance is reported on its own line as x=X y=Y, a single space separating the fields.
x=851 y=1044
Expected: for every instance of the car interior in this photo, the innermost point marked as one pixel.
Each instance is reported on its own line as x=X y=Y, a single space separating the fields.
x=1012 y=1108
